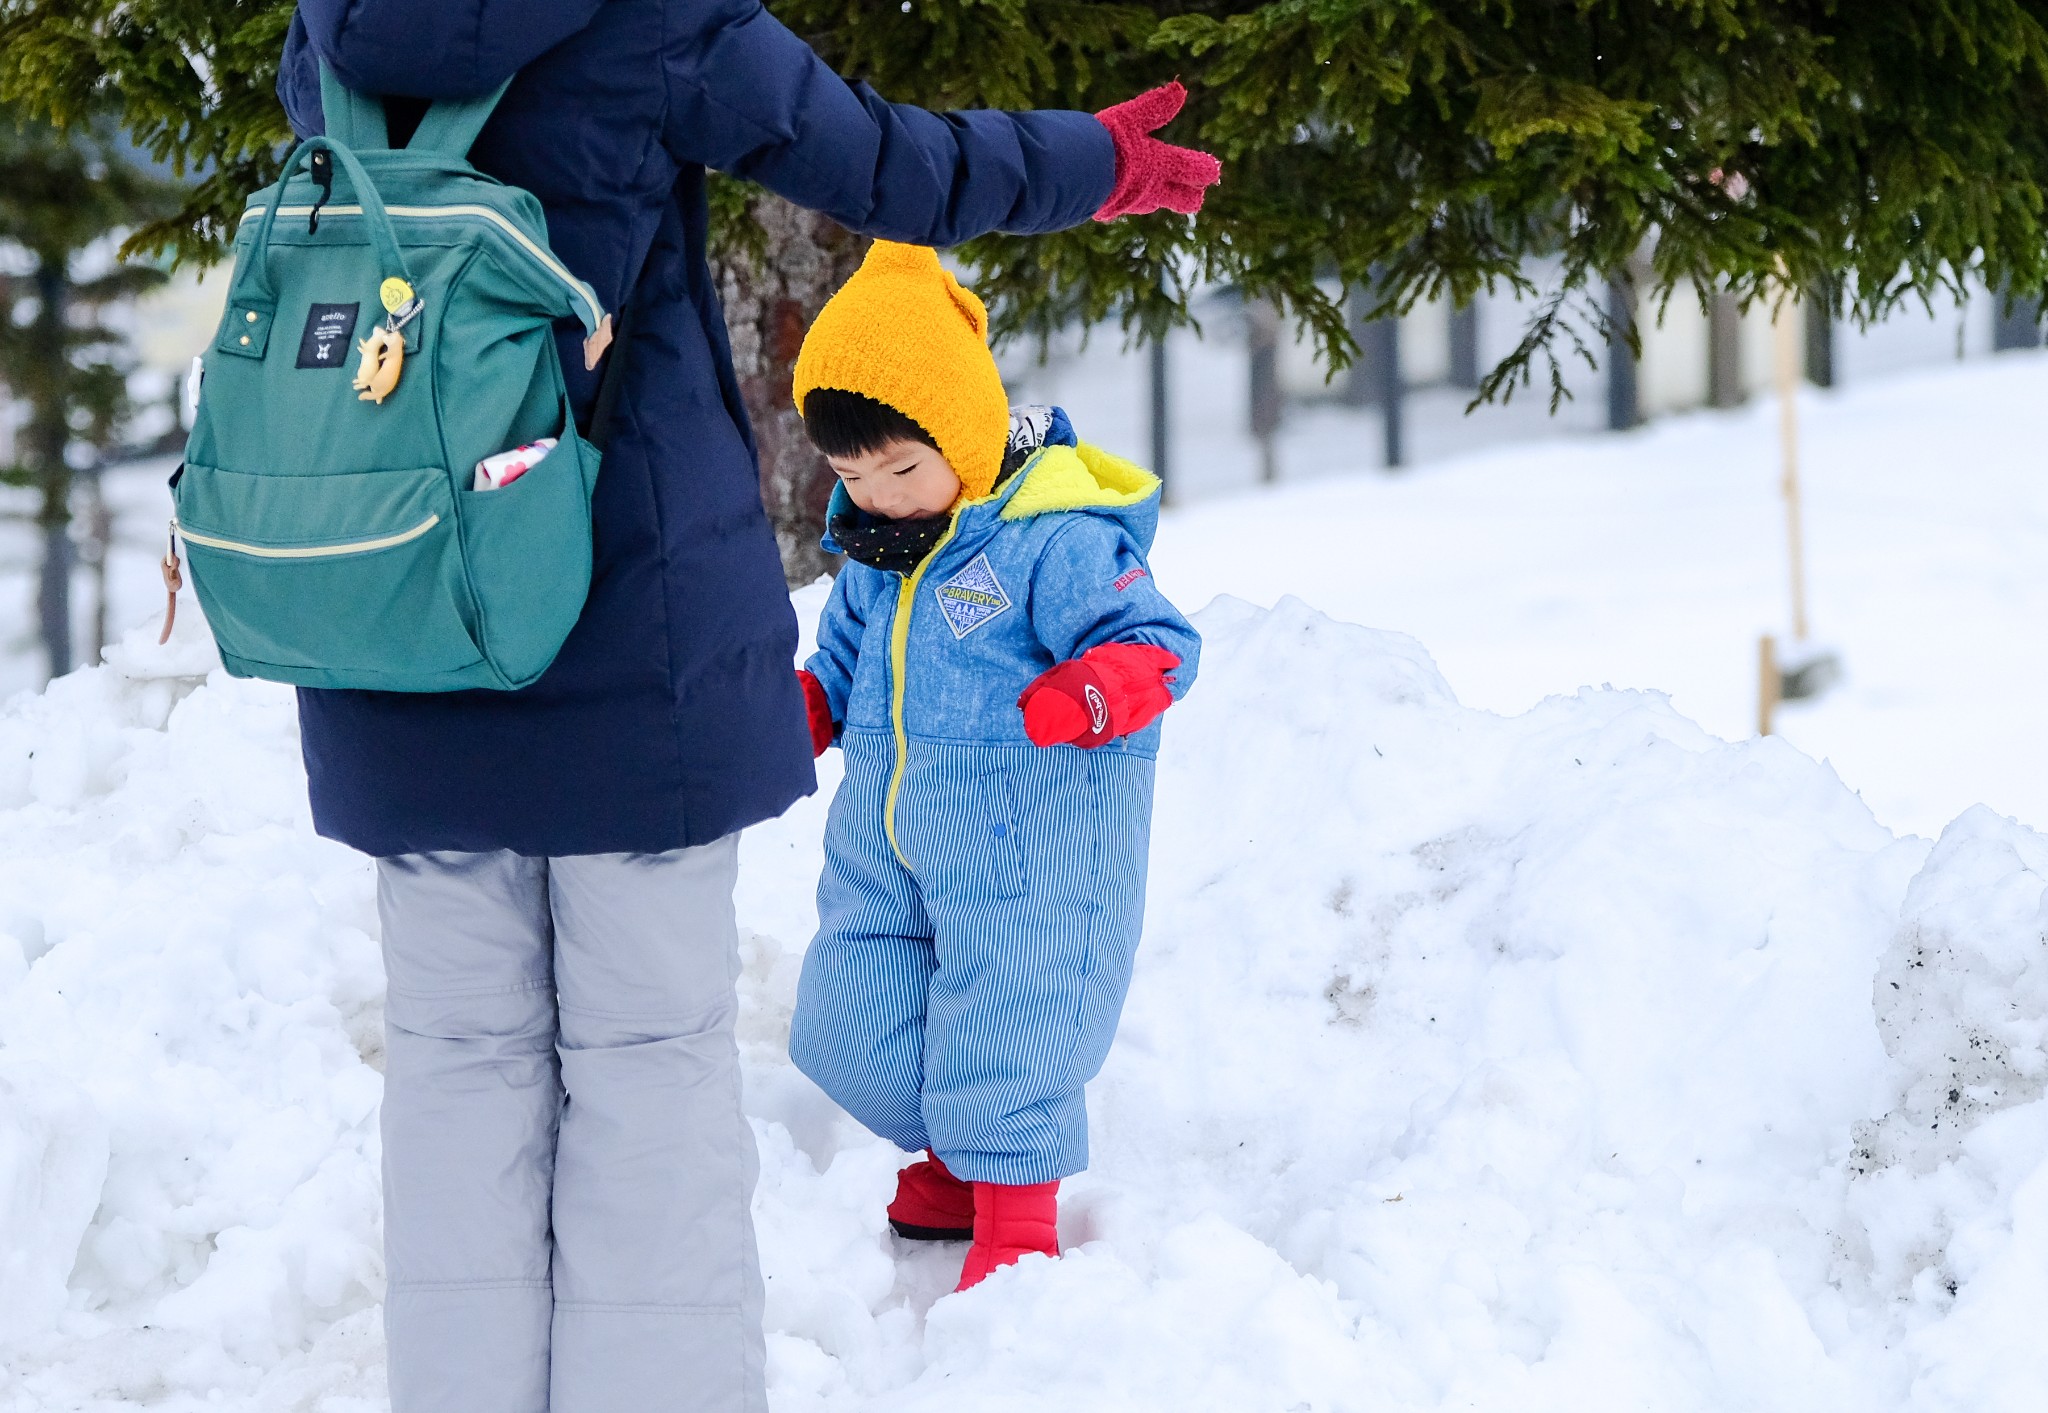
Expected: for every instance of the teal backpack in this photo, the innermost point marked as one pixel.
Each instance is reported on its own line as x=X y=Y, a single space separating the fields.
x=333 y=535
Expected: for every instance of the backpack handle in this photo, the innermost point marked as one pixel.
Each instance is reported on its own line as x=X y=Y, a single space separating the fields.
x=390 y=259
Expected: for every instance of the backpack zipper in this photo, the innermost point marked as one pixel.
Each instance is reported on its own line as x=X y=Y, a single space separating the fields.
x=539 y=252
x=899 y=654
x=304 y=551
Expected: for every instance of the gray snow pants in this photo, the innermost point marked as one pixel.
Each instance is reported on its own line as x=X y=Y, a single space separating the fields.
x=568 y=1177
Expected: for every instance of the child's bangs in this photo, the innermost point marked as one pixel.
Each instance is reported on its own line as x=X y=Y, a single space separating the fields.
x=841 y=423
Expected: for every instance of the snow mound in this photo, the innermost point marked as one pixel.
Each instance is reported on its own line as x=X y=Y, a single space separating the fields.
x=1472 y=1062
x=1949 y=1208
x=1962 y=995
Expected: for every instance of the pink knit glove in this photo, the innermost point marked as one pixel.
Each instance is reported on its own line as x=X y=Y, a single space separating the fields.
x=1151 y=174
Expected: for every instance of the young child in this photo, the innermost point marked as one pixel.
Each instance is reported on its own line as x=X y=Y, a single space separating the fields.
x=993 y=662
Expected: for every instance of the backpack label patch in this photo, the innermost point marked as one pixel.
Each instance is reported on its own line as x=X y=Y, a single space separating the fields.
x=329 y=327
x=972 y=597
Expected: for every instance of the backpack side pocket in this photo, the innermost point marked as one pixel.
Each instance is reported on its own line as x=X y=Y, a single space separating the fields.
x=528 y=550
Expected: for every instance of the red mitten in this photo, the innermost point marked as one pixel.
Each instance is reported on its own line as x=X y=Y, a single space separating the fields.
x=1151 y=174
x=818 y=709
x=1104 y=693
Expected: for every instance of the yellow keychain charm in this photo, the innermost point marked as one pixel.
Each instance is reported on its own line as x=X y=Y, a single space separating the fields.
x=384 y=350
x=383 y=359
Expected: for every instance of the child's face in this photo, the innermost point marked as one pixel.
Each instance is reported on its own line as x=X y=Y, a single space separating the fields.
x=900 y=481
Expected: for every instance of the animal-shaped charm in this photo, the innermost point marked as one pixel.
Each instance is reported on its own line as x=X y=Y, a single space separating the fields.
x=174 y=580
x=383 y=359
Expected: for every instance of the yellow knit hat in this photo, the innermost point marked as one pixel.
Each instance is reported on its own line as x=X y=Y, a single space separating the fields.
x=904 y=332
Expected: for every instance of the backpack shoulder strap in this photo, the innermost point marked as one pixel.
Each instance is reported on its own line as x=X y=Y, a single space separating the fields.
x=356 y=120
x=452 y=124
x=353 y=120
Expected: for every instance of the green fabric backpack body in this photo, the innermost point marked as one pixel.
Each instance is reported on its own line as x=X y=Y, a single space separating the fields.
x=334 y=539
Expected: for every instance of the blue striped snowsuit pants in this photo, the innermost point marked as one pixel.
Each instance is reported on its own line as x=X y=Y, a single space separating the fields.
x=961 y=1004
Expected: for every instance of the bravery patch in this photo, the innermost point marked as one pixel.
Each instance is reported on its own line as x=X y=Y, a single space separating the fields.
x=972 y=597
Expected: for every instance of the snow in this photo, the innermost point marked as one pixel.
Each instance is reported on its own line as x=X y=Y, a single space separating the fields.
x=1548 y=1052
x=1656 y=558
x=1473 y=1061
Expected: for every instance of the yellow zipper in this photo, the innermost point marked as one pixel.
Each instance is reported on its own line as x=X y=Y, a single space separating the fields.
x=537 y=251
x=899 y=653
x=307 y=551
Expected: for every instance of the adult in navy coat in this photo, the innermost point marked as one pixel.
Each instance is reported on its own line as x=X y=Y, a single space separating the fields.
x=567 y=1172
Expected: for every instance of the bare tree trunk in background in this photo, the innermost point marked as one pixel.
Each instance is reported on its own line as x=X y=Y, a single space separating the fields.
x=98 y=548
x=768 y=305
x=48 y=438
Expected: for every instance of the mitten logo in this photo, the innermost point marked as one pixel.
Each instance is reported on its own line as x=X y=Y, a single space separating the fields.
x=972 y=597
x=1098 y=709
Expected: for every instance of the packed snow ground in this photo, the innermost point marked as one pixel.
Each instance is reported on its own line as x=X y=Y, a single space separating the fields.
x=1567 y=1059
x=1571 y=1060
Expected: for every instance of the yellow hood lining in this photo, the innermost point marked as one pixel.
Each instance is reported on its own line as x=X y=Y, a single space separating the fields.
x=1079 y=478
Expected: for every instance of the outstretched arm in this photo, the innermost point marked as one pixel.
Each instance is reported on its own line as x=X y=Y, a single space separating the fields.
x=746 y=96
x=749 y=98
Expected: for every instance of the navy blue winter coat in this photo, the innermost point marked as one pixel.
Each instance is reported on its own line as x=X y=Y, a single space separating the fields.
x=672 y=716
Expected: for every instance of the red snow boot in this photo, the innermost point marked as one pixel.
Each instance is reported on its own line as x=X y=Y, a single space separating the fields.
x=1009 y=1223
x=931 y=1204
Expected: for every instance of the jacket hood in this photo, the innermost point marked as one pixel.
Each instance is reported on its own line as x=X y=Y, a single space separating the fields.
x=1090 y=480
x=446 y=49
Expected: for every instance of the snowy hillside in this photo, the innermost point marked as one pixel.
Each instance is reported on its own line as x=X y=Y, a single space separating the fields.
x=1570 y=1060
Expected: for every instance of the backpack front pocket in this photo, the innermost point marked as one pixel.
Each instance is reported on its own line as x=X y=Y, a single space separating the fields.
x=528 y=549
x=376 y=598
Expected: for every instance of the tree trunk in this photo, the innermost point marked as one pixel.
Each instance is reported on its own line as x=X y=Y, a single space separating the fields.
x=769 y=302
x=97 y=550
x=48 y=437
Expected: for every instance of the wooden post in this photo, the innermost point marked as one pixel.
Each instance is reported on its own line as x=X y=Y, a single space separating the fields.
x=1787 y=346
x=1770 y=684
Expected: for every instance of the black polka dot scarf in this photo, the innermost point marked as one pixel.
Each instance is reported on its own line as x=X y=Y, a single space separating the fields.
x=899 y=546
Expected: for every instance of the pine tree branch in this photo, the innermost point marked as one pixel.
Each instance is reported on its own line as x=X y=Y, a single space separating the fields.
x=1875 y=153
